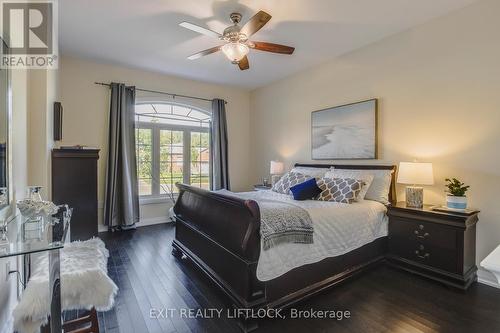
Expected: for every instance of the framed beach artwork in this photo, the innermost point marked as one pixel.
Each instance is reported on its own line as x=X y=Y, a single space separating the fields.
x=345 y=132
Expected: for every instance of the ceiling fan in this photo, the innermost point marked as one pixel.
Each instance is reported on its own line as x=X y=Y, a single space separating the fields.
x=237 y=40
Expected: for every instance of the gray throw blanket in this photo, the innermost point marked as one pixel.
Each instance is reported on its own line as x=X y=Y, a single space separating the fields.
x=281 y=222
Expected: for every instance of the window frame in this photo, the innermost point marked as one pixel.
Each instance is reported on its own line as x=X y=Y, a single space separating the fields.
x=156 y=128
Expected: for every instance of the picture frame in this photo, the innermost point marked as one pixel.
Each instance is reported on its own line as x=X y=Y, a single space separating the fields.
x=345 y=132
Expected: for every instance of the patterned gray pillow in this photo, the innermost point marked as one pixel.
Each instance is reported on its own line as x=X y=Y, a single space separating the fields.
x=288 y=180
x=343 y=190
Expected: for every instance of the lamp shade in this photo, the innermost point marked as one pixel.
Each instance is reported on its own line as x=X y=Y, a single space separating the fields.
x=277 y=168
x=415 y=173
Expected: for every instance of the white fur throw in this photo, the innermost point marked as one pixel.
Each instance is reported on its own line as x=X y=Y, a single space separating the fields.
x=84 y=284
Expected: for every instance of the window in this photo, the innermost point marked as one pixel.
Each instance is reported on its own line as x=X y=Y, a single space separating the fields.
x=172 y=145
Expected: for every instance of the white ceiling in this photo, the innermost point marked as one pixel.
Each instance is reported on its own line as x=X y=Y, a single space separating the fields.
x=145 y=34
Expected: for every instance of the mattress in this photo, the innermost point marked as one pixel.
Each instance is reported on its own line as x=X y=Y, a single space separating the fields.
x=338 y=229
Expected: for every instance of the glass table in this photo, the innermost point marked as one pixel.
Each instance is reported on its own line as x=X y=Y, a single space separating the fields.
x=23 y=236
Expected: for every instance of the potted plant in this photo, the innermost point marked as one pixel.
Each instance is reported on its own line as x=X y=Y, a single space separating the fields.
x=456 y=198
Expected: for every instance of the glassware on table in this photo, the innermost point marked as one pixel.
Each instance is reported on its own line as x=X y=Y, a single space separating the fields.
x=35 y=196
x=3 y=196
x=3 y=232
x=265 y=181
x=34 y=193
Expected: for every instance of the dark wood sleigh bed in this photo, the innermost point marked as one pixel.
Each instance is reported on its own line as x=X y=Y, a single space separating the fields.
x=220 y=235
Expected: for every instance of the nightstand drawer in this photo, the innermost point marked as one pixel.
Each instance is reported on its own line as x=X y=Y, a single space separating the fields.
x=428 y=234
x=430 y=255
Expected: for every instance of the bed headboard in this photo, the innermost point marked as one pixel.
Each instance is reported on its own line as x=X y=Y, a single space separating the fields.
x=392 y=191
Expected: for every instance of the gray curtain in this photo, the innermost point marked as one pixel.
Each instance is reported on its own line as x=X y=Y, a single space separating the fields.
x=218 y=146
x=121 y=203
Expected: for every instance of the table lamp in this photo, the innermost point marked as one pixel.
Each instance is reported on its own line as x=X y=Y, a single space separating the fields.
x=413 y=174
x=277 y=169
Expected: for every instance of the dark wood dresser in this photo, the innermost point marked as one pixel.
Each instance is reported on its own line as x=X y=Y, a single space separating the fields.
x=440 y=246
x=74 y=182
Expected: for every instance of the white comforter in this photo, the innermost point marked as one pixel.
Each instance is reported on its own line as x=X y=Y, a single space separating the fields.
x=338 y=229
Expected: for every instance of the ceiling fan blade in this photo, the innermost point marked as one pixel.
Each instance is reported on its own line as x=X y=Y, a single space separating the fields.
x=204 y=53
x=255 y=23
x=243 y=63
x=270 y=47
x=200 y=30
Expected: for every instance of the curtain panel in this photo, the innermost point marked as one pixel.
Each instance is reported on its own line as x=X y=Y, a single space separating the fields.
x=219 y=146
x=121 y=204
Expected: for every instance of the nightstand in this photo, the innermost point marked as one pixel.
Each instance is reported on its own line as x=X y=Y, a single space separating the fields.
x=261 y=187
x=437 y=245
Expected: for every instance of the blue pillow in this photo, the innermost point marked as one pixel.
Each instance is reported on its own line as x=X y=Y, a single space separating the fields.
x=306 y=190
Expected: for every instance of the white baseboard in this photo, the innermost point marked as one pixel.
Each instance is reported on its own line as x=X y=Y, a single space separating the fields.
x=143 y=222
x=154 y=220
x=487 y=279
x=488 y=283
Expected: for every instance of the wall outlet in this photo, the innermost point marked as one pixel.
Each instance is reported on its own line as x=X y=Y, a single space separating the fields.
x=7 y=270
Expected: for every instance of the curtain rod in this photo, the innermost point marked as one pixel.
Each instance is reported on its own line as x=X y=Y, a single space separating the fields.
x=162 y=92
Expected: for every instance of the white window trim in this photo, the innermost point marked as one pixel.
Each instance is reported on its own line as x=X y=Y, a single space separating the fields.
x=152 y=199
x=156 y=196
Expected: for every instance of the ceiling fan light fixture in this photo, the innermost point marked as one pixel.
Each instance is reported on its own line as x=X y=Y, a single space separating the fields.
x=235 y=51
x=237 y=39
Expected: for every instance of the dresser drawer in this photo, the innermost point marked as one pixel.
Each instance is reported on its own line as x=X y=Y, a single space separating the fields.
x=428 y=234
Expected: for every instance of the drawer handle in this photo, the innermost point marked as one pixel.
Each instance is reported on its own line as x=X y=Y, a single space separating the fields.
x=421 y=236
x=425 y=256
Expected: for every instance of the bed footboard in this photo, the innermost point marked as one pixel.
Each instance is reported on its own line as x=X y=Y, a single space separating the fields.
x=220 y=234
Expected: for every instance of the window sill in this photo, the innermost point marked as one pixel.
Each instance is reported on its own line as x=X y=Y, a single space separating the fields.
x=155 y=200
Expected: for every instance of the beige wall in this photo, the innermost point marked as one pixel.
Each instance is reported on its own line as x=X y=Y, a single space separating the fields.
x=19 y=133
x=43 y=92
x=86 y=108
x=439 y=91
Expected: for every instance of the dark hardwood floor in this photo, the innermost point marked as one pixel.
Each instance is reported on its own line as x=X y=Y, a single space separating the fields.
x=380 y=300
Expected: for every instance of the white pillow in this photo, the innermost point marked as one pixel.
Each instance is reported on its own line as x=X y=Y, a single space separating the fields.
x=379 y=187
x=365 y=177
x=311 y=172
